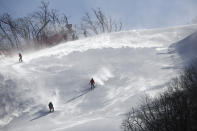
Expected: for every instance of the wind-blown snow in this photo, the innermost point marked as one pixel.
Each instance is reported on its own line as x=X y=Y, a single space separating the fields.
x=125 y=65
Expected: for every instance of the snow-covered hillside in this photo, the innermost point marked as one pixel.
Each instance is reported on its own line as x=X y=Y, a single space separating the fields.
x=125 y=65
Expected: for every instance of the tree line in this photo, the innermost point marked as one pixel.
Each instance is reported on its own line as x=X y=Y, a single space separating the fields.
x=173 y=110
x=46 y=27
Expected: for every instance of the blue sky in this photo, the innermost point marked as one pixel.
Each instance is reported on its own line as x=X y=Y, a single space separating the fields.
x=134 y=13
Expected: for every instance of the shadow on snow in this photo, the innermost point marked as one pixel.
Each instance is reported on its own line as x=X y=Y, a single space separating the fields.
x=80 y=95
x=40 y=114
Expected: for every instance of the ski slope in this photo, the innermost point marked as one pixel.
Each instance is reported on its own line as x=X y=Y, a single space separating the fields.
x=126 y=66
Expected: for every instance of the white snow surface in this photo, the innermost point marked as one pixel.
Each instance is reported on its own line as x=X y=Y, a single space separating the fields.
x=126 y=66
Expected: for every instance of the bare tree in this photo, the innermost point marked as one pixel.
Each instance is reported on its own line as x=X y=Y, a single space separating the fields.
x=42 y=17
x=44 y=27
x=99 y=23
x=9 y=28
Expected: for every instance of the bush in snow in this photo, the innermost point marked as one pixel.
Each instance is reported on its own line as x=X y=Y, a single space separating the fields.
x=173 y=110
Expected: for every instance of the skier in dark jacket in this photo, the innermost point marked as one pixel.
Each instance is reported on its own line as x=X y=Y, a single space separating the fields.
x=51 y=108
x=92 y=83
x=20 y=57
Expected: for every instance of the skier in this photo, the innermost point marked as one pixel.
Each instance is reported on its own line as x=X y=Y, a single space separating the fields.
x=92 y=83
x=51 y=108
x=85 y=33
x=20 y=57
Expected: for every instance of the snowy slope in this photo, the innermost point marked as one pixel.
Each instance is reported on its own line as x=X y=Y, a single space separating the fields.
x=187 y=49
x=125 y=65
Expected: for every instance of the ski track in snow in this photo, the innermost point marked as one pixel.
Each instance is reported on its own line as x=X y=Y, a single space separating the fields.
x=125 y=65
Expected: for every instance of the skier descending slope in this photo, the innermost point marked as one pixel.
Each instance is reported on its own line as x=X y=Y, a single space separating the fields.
x=20 y=57
x=92 y=83
x=51 y=108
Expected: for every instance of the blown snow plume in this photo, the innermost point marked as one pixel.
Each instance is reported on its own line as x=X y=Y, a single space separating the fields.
x=19 y=95
x=14 y=98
